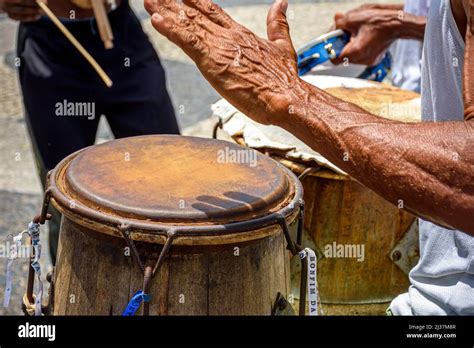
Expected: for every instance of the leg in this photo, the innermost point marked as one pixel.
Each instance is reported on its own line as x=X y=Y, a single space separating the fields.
x=53 y=135
x=140 y=104
x=146 y=108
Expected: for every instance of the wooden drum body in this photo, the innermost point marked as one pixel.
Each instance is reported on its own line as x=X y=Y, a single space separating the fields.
x=93 y=277
x=213 y=229
x=365 y=245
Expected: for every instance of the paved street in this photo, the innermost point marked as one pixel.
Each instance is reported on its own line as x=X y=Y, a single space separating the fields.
x=20 y=190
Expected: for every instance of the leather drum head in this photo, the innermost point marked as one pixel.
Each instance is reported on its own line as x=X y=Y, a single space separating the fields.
x=177 y=180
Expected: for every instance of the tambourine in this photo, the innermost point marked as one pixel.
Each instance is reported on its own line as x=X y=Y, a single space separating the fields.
x=329 y=46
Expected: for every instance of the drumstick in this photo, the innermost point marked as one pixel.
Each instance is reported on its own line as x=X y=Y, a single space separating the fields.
x=103 y=23
x=108 y=82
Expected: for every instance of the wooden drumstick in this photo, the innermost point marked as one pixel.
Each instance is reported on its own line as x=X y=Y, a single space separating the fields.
x=108 y=82
x=103 y=23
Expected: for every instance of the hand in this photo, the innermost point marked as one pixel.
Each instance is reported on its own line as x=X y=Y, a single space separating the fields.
x=372 y=29
x=21 y=10
x=254 y=74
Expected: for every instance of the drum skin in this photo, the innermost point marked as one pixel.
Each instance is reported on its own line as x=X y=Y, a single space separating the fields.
x=174 y=184
x=95 y=277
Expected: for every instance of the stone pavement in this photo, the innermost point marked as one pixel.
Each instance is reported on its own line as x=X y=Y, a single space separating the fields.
x=20 y=190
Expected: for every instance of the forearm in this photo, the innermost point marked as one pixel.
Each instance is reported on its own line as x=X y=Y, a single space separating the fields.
x=428 y=168
x=405 y=25
x=411 y=26
x=402 y=25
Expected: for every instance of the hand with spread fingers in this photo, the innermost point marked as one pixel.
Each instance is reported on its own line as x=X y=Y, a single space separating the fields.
x=254 y=74
x=21 y=10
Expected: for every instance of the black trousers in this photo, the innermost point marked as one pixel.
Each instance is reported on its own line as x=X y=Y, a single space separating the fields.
x=53 y=74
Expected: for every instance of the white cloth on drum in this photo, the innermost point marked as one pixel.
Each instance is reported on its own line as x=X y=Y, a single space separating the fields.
x=443 y=280
x=258 y=136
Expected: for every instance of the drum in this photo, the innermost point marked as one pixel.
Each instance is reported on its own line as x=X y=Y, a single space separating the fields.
x=365 y=245
x=200 y=226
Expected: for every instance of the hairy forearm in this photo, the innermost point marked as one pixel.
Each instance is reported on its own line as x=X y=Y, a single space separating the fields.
x=428 y=168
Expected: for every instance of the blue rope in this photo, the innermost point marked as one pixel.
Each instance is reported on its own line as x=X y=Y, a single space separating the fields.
x=135 y=303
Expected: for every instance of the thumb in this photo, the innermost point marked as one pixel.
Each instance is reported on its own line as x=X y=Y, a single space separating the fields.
x=339 y=20
x=278 y=29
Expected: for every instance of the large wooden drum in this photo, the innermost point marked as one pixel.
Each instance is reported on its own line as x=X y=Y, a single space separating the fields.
x=199 y=225
x=365 y=245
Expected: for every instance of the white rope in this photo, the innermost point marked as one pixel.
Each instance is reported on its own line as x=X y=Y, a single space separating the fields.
x=34 y=232
x=12 y=256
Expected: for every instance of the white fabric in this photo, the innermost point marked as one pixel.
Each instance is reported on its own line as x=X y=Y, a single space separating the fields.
x=443 y=280
x=406 y=69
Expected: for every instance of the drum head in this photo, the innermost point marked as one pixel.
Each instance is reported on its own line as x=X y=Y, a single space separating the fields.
x=172 y=179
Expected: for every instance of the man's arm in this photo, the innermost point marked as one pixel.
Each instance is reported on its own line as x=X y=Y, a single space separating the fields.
x=373 y=29
x=429 y=167
x=426 y=167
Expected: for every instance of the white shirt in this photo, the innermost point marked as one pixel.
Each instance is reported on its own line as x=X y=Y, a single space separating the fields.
x=406 y=68
x=443 y=280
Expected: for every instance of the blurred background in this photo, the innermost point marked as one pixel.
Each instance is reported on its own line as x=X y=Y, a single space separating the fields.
x=20 y=189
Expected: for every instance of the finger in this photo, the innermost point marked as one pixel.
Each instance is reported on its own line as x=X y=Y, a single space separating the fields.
x=26 y=3
x=278 y=30
x=337 y=17
x=212 y=11
x=151 y=6
x=352 y=52
x=154 y=6
x=340 y=21
x=346 y=22
x=24 y=18
x=181 y=36
x=22 y=10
